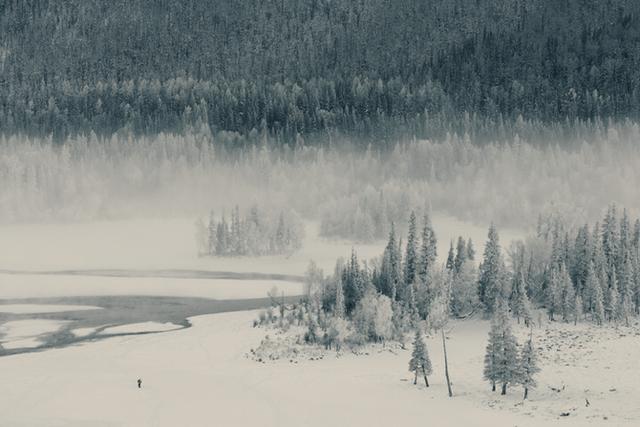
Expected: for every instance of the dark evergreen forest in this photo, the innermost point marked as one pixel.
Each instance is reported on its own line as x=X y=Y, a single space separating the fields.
x=377 y=70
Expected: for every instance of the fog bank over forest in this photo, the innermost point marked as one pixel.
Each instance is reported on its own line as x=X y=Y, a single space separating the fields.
x=174 y=175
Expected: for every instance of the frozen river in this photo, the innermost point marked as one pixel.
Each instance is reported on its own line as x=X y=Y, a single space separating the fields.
x=37 y=324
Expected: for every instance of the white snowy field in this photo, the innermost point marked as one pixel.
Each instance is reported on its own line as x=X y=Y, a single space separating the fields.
x=200 y=375
x=203 y=376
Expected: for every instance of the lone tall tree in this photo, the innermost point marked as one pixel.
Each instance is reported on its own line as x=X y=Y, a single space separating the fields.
x=420 y=361
x=528 y=366
x=501 y=358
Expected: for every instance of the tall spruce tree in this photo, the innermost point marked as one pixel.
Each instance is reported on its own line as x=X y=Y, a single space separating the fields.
x=428 y=251
x=471 y=252
x=520 y=304
x=451 y=258
x=528 y=366
x=410 y=269
x=568 y=294
x=501 y=358
x=612 y=300
x=461 y=255
x=490 y=271
x=420 y=362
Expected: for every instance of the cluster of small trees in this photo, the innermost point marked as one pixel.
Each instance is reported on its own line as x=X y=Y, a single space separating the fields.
x=253 y=234
x=384 y=298
x=504 y=363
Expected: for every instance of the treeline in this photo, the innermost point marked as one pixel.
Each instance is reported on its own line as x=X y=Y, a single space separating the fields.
x=254 y=234
x=315 y=68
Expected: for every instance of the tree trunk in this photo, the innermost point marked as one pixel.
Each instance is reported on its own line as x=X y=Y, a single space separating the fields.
x=446 y=364
x=415 y=378
x=526 y=392
x=424 y=374
x=504 y=389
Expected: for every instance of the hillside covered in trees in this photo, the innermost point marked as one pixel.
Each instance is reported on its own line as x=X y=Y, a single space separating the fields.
x=316 y=69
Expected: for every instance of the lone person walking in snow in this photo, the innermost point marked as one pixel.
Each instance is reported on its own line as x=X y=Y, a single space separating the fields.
x=139 y=383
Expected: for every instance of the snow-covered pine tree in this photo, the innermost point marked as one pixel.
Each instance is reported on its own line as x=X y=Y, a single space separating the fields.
x=500 y=363
x=520 y=304
x=451 y=258
x=490 y=271
x=410 y=258
x=461 y=255
x=339 y=309
x=553 y=293
x=581 y=257
x=528 y=366
x=626 y=291
x=471 y=252
x=420 y=361
x=568 y=294
x=612 y=300
x=426 y=264
x=501 y=358
x=390 y=268
x=598 y=313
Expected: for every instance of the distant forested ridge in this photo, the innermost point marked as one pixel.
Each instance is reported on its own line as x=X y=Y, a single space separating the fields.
x=315 y=68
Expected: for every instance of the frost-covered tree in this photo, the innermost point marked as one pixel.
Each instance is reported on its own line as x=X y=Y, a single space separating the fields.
x=612 y=300
x=428 y=251
x=568 y=295
x=383 y=319
x=501 y=358
x=598 y=311
x=450 y=264
x=461 y=255
x=464 y=294
x=390 y=268
x=626 y=291
x=410 y=257
x=520 y=304
x=489 y=282
x=471 y=252
x=553 y=293
x=339 y=310
x=420 y=361
x=528 y=366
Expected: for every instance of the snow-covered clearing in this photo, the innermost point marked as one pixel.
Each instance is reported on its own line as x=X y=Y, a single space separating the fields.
x=202 y=376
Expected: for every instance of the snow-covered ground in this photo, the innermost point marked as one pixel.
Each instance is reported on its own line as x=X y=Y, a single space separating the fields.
x=203 y=376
